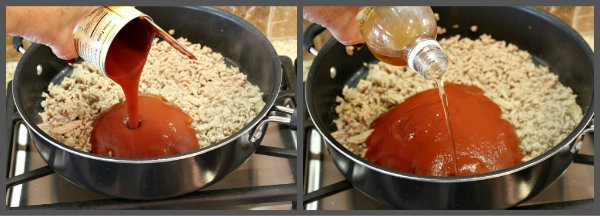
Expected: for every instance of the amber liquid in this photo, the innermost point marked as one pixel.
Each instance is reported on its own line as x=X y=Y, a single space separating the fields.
x=393 y=60
x=389 y=34
x=400 y=38
x=401 y=61
x=443 y=97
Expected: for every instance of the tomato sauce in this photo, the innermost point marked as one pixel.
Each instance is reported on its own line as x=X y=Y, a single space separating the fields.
x=164 y=130
x=143 y=126
x=413 y=137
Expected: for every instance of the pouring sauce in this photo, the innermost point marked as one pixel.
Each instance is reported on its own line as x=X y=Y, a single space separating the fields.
x=413 y=137
x=164 y=130
x=143 y=126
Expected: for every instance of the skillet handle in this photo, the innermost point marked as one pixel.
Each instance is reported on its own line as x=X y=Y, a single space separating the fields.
x=288 y=80
x=309 y=36
x=579 y=141
x=257 y=133
x=577 y=145
x=17 y=42
x=287 y=92
x=294 y=120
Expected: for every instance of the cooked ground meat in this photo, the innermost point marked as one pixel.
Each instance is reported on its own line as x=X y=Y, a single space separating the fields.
x=441 y=30
x=219 y=98
x=541 y=109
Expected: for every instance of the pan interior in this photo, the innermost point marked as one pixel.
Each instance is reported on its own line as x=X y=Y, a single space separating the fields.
x=565 y=53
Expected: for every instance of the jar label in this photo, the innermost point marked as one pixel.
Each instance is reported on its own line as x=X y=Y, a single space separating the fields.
x=94 y=33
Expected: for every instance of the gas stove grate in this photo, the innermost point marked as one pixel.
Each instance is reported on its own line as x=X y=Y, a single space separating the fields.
x=343 y=185
x=198 y=199
x=340 y=186
x=221 y=197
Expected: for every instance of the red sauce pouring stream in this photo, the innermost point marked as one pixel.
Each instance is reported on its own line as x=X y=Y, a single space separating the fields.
x=143 y=126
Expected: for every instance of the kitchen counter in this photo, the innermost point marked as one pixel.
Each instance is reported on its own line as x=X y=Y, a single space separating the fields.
x=286 y=47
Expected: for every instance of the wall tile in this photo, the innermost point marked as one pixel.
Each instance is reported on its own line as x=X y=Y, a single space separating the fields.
x=256 y=15
x=583 y=20
x=275 y=22
x=282 y=22
x=565 y=13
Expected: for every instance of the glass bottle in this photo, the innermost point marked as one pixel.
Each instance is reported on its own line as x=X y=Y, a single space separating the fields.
x=404 y=36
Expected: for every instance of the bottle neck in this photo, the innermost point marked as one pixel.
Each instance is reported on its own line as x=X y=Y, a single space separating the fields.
x=428 y=59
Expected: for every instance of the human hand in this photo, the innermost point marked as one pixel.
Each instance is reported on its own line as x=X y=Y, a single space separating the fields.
x=340 y=20
x=52 y=26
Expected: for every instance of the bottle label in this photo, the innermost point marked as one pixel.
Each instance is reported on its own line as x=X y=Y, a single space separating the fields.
x=94 y=33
